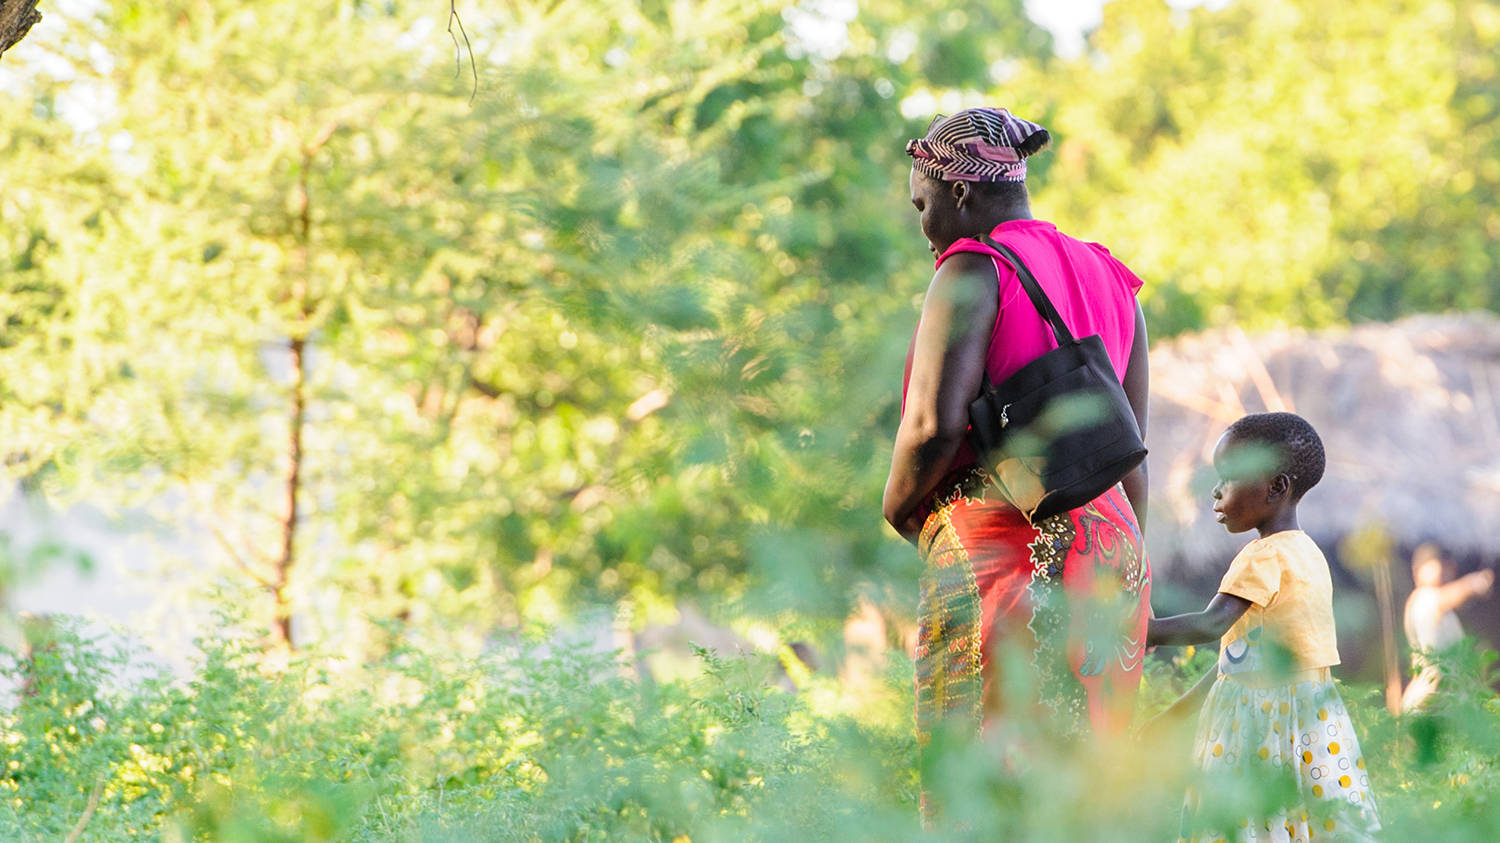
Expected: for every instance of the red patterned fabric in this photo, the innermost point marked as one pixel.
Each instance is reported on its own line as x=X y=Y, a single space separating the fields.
x=1073 y=591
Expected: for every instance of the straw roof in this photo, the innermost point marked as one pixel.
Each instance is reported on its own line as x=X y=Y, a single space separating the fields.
x=1409 y=413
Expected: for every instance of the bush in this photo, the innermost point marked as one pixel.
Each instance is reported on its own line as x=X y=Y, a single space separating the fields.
x=541 y=742
x=563 y=746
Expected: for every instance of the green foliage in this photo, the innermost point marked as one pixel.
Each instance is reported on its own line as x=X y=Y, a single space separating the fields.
x=1300 y=161
x=630 y=316
x=628 y=327
x=544 y=742
x=523 y=747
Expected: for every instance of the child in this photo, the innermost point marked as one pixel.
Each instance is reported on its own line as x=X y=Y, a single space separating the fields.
x=1270 y=708
x=1432 y=624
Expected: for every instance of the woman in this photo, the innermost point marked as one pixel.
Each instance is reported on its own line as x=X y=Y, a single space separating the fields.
x=990 y=578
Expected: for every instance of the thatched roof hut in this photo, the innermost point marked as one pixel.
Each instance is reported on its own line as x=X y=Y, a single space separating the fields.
x=1409 y=413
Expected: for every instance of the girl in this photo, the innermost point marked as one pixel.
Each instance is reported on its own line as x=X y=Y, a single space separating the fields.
x=1271 y=710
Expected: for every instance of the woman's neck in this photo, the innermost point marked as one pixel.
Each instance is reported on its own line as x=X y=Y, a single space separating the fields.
x=987 y=219
x=1010 y=213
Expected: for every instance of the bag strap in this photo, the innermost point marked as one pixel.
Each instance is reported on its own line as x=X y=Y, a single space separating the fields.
x=1034 y=292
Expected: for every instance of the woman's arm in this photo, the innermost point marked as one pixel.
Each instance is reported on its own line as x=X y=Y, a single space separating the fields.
x=947 y=369
x=1198 y=627
x=1137 y=385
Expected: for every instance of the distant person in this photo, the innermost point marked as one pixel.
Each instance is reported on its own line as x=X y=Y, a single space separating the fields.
x=39 y=637
x=989 y=575
x=1270 y=708
x=1431 y=623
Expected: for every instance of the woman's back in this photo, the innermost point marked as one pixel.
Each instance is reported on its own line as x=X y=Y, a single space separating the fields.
x=1092 y=291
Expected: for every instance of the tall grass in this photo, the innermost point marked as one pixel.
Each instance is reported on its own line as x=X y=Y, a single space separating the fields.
x=567 y=746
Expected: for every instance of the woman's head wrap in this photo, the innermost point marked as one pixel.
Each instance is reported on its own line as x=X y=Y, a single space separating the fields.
x=977 y=144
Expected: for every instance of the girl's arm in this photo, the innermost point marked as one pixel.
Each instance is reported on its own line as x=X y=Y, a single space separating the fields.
x=1198 y=627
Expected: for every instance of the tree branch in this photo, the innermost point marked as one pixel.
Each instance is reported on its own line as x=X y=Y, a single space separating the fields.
x=17 y=17
x=474 y=68
x=239 y=560
x=93 y=805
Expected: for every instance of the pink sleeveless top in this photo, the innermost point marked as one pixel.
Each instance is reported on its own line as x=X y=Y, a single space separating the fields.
x=1092 y=291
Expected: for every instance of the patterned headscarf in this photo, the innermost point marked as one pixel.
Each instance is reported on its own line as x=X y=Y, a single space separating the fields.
x=977 y=144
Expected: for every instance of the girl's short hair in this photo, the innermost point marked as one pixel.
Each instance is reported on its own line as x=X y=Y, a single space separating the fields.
x=1299 y=449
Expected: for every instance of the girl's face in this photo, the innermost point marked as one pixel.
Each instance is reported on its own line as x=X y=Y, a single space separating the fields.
x=1243 y=497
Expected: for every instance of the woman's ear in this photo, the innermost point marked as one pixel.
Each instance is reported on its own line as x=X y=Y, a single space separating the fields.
x=1279 y=487
x=962 y=193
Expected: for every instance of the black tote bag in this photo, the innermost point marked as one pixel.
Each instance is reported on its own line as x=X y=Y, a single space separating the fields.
x=1059 y=432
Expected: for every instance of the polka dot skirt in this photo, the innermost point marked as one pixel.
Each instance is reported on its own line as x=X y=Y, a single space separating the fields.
x=1280 y=764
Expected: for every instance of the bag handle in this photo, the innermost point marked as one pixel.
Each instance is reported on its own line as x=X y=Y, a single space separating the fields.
x=1034 y=292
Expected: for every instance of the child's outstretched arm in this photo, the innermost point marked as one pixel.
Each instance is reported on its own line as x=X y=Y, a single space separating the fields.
x=1198 y=627
x=1464 y=589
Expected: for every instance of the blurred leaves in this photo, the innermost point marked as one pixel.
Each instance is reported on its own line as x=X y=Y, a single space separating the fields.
x=699 y=202
x=680 y=200
x=544 y=742
x=1291 y=161
x=630 y=327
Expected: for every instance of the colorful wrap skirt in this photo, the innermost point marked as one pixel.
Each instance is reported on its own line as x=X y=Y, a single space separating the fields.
x=1072 y=594
x=1293 y=742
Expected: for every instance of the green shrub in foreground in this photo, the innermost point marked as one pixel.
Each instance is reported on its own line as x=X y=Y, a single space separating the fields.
x=522 y=747
x=544 y=743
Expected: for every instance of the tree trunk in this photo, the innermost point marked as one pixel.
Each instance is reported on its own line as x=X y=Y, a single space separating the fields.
x=1387 y=605
x=17 y=17
x=288 y=555
x=286 y=558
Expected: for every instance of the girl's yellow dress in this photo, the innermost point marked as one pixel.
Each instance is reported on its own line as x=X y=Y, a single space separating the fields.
x=1279 y=755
